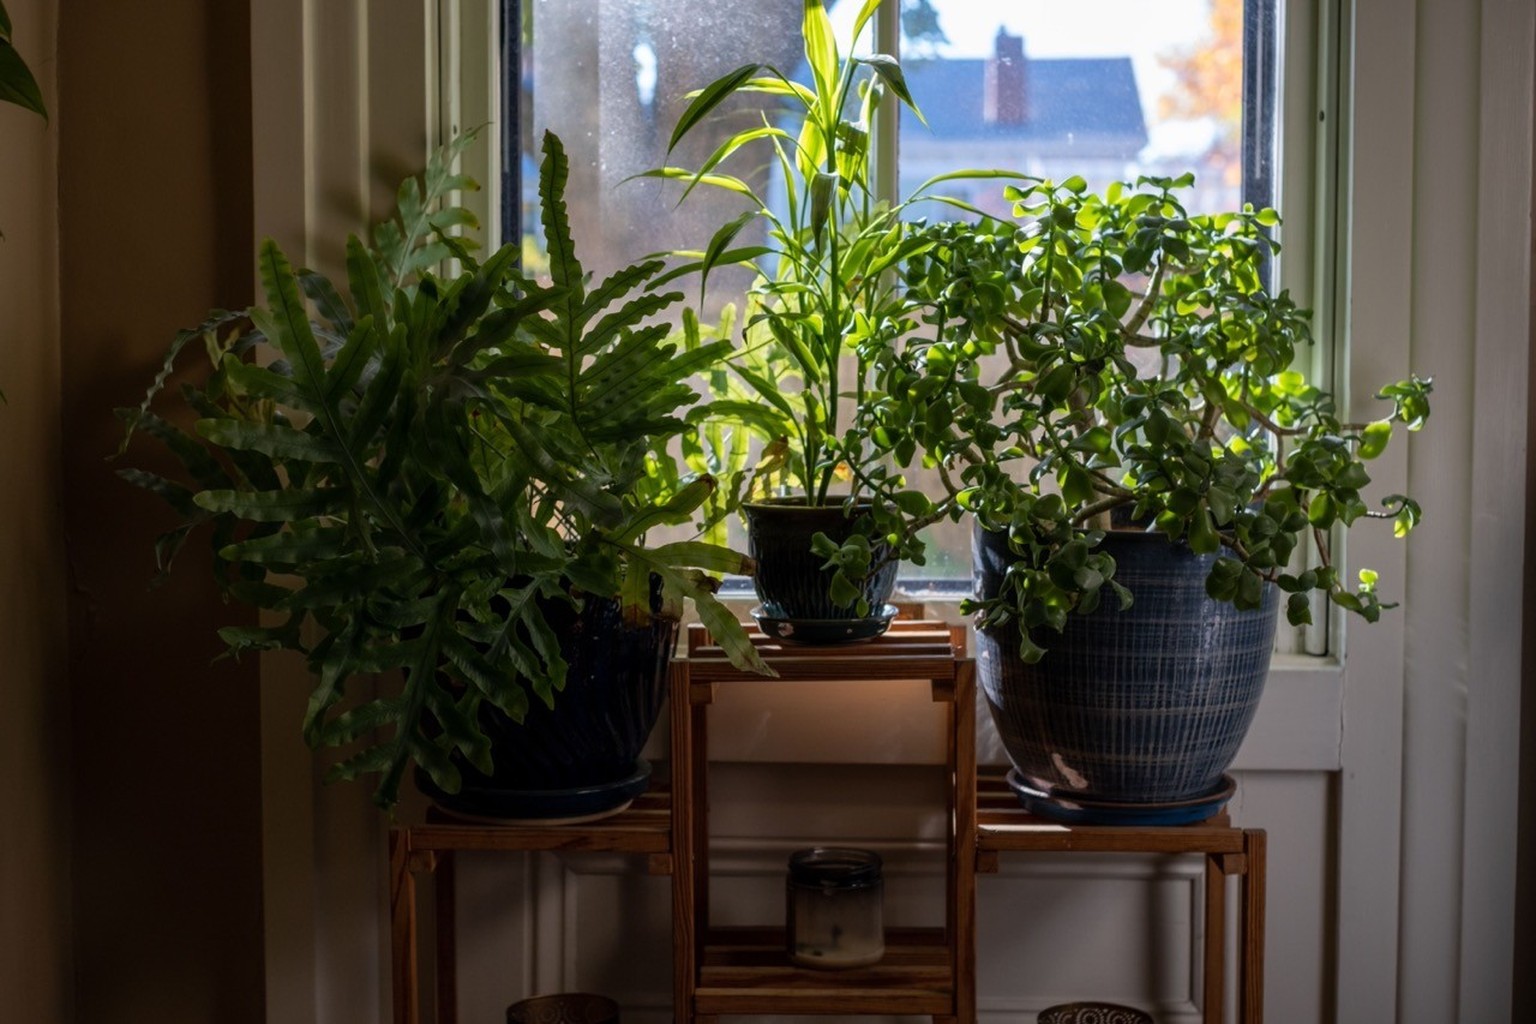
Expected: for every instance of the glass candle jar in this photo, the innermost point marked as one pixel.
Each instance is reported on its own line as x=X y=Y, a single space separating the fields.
x=834 y=898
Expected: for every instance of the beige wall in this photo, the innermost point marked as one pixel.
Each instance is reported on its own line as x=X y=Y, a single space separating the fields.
x=34 y=804
x=153 y=128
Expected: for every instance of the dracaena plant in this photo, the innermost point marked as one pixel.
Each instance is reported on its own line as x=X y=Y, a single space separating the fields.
x=825 y=307
x=1114 y=356
x=407 y=473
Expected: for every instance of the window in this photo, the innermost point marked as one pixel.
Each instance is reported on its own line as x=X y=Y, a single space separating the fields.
x=1154 y=88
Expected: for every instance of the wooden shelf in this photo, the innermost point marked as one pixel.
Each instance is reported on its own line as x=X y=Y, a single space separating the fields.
x=645 y=827
x=744 y=970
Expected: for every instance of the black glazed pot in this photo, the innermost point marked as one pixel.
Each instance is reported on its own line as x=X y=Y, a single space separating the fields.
x=1134 y=716
x=581 y=758
x=790 y=580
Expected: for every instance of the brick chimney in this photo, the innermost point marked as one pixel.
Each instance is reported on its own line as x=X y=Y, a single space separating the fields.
x=1004 y=100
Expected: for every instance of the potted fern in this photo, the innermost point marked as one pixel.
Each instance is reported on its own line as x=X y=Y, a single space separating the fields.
x=453 y=476
x=1107 y=387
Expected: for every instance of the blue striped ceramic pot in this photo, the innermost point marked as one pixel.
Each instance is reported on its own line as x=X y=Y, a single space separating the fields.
x=1142 y=706
x=790 y=580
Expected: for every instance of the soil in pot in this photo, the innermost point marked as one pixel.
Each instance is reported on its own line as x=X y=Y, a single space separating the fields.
x=793 y=587
x=1132 y=716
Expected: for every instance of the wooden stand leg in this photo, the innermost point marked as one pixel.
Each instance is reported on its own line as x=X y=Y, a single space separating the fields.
x=963 y=867
x=447 y=953
x=1253 y=884
x=684 y=938
x=402 y=927
x=1215 y=938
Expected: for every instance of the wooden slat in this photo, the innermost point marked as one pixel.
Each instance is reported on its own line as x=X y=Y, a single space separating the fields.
x=1252 y=952
x=802 y=669
x=963 y=866
x=921 y=641
x=1215 y=940
x=402 y=928
x=684 y=937
x=747 y=970
x=645 y=827
x=447 y=941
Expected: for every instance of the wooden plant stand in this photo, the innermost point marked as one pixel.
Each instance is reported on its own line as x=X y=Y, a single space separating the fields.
x=730 y=971
x=928 y=971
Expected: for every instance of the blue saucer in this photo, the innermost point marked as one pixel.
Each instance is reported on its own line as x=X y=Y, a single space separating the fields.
x=541 y=806
x=1071 y=809
x=824 y=631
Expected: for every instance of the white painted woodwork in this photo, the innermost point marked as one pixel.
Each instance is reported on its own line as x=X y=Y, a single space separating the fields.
x=1384 y=775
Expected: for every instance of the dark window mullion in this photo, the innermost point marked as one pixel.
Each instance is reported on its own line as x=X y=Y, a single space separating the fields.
x=511 y=130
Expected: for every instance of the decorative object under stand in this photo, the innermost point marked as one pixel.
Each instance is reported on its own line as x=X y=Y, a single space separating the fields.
x=1093 y=1013
x=564 y=1008
x=834 y=914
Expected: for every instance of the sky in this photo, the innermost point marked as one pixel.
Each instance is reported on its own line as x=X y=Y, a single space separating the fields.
x=1139 y=29
x=1085 y=28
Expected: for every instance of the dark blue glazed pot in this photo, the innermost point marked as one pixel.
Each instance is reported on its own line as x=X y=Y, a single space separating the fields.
x=580 y=758
x=790 y=580
x=1145 y=706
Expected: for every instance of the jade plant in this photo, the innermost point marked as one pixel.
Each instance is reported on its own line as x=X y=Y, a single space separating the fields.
x=1110 y=358
x=410 y=470
x=826 y=306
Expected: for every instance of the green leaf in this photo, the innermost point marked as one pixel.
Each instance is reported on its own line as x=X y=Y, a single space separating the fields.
x=709 y=557
x=821 y=54
x=16 y=82
x=564 y=268
x=208 y=329
x=726 y=148
x=290 y=548
x=823 y=189
x=709 y=98
x=1076 y=485
x=889 y=70
x=1298 y=610
x=602 y=508
x=286 y=324
x=272 y=506
x=1374 y=438
x=1203 y=539
x=275 y=441
x=716 y=180
x=717 y=247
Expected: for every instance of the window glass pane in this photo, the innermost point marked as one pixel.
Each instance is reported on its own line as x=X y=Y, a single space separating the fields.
x=611 y=77
x=1107 y=89
x=1152 y=89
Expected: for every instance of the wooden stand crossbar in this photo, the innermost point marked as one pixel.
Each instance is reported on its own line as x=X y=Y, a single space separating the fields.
x=928 y=971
